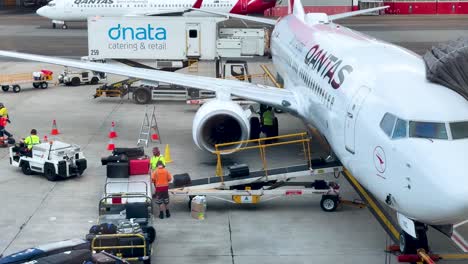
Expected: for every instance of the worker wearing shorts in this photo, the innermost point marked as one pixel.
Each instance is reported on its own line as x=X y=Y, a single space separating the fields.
x=161 y=178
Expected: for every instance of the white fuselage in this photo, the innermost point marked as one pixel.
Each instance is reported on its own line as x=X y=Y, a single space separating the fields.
x=345 y=95
x=80 y=10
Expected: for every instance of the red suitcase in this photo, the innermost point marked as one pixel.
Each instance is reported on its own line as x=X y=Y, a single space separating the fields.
x=139 y=166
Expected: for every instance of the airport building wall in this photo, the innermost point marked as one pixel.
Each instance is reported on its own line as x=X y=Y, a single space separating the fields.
x=398 y=7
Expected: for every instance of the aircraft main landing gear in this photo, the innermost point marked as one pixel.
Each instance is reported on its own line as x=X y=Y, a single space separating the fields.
x=409 y=244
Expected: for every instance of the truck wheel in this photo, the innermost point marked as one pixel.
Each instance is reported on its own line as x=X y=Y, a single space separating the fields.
x=44 y=85
x=75 y=81
x=5 y=88
x=329 y=203
x=64 y=26
x=94 y=80
x=142 y=96
x=36 y=85
x=49 y=172
x=16 y=88
x=254 y=128
x=25 y=168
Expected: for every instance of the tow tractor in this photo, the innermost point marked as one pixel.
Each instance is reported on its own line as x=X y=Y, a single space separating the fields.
x=77 y=77
x=54 y=159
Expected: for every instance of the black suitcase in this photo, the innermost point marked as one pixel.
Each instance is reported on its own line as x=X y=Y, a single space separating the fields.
x=238 y=170
x=181 y=180
x=69 y=257
x=117 y=170
x=102 y=258
x=130 y=152
x=114 y=158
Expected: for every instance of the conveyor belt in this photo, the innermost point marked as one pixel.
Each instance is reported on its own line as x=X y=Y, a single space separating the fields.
x=316 y=165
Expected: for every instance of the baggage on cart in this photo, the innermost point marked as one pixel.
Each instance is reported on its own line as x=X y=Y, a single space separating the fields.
x=38 y=79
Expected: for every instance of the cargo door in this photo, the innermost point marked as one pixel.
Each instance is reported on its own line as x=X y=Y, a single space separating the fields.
x=243 y=5
x=193 y=40
x=351 y=117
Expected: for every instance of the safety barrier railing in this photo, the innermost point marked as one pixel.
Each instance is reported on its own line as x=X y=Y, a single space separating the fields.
x=261 y=145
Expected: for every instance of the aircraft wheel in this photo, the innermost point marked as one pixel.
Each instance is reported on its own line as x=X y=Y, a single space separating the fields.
x=329 y=203
x=64 y=26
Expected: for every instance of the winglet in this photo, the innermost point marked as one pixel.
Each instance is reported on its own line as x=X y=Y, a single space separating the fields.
x=356 y=13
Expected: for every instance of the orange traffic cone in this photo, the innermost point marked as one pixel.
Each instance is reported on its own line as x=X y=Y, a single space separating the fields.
x=54 y=128
x=46 y=139
x=112 y=133
x=111 y=145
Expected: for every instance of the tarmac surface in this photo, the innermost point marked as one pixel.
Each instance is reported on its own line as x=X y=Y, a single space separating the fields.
x=34 y=211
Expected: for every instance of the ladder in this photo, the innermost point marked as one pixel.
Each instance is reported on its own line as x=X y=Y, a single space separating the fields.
x=148 y=124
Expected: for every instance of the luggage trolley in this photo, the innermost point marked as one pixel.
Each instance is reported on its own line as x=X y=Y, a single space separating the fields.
x=39 y=79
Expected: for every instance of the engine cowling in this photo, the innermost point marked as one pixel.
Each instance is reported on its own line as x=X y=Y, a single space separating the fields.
x=219 y=121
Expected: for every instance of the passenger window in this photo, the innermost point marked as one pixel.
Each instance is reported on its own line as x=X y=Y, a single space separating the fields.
x=400 y=129
x=387 y=123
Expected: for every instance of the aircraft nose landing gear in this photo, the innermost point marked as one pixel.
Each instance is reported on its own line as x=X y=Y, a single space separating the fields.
x=409 y=244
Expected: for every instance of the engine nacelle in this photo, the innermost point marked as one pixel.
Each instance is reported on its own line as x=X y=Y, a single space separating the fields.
x=220 y=121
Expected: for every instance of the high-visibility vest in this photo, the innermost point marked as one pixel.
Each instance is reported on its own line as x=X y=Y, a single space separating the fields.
x=268 y=118
x=154 y=161
x=31 y=141
x=4 y=112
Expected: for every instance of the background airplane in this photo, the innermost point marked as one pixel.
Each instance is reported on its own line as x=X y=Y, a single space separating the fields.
x=389 y=126
x=61 y=11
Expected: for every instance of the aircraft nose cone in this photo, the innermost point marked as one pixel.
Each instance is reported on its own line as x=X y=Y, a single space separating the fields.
x=41 y=11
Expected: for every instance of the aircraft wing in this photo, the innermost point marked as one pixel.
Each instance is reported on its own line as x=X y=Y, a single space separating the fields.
x=279 y=98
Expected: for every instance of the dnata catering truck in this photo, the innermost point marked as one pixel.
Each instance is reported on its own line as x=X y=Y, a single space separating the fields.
x=170 y=39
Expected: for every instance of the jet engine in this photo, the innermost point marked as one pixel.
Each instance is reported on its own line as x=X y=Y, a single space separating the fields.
x=220 y=121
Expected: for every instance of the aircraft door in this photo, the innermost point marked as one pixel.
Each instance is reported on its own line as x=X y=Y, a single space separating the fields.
x=193 y=40
x=243 y=5
x=351 y=117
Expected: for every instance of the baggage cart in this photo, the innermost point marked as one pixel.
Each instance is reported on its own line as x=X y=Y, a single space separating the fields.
x=39 y=79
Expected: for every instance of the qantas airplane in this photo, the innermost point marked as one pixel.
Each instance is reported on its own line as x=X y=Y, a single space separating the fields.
x=403 y=137
x=61 y=11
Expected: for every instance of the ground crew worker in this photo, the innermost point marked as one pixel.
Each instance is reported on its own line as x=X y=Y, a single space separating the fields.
x=161 y=178
x=32 y=140
x=3 y=124
x=156 y=158
x=267 y=118
x=3 y=111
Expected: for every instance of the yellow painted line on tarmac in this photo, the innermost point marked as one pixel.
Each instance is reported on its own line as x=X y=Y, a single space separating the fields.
x=373 y=205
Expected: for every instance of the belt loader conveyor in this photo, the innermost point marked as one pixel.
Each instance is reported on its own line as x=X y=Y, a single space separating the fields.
x=251 y=188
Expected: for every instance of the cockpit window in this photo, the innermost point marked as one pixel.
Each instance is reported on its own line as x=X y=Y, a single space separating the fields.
x=51 y=4
x=459 y=130
x=387 y=124
x=430 y=130
x=400 y=129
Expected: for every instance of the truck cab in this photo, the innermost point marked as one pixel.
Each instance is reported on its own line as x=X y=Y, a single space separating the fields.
x=78 y=77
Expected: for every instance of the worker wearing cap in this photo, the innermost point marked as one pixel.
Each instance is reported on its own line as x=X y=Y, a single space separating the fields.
x=161 y=178
x=32 y=140
x=157 y=157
